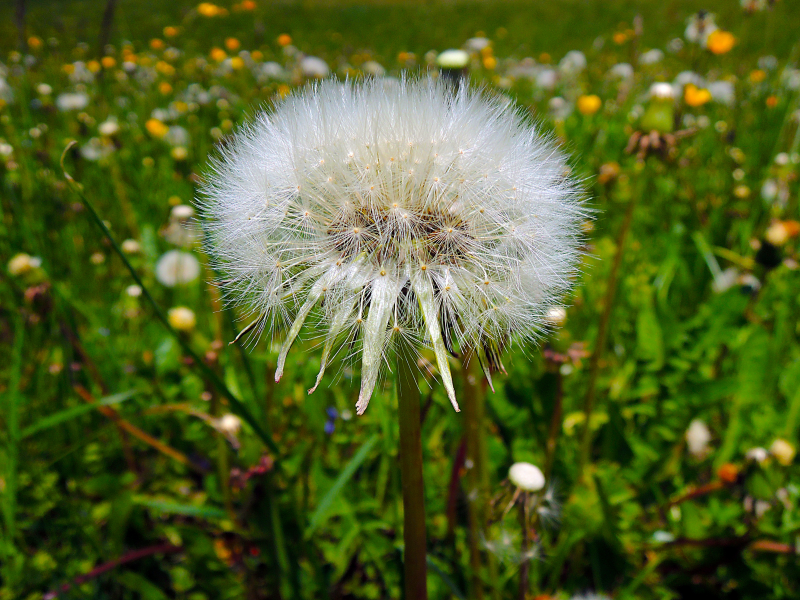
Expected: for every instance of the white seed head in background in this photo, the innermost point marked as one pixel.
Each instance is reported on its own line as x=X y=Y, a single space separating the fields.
x=388 y=211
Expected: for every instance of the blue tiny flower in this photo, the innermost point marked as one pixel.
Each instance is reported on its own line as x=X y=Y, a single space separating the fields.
x=329 y=427
x=332 y=413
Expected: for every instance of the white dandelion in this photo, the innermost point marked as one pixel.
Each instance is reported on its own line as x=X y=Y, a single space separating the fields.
x=388 y=211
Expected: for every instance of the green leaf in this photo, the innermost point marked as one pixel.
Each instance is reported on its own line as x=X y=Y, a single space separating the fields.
x=189 y=510
x=76 y=411
x=319 y=514
x=139 y=584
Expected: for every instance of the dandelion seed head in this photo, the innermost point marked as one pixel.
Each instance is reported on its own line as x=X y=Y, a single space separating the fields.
x=373 y=204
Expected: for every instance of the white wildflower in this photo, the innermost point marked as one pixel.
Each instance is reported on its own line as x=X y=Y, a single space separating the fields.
x=177 y=268
x=621 y=71
x=23 y=263
x=574 y=62
x=311 y=66
x=181 y=318
x=723 y=92
x=72 y=101
x=697 y=438
x=409 y=210
x=651 y=57
x=526 y=476
x=699 y=27
x=476 y=44
x=108 y=127
x=373 y=68
x=452 y=59
x=662 y=91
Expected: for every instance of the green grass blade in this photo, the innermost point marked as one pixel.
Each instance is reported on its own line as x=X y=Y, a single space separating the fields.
x=71 y=413
x=319 y=514
x=175 y=508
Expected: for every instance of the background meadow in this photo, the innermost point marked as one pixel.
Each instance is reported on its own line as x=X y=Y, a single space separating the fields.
x=125 y=471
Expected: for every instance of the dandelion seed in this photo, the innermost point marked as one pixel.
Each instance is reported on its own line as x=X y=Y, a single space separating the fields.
x=395 y=210
x=526 y=476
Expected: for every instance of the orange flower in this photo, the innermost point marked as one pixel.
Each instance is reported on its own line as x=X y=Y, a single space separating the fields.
x=157 y=44
x=257 y=55
x=620 y=38
x=232 y=44
x=108 y=62
x=171 y=31
x=694 y=96
x=218 y=54
x=489 y=62
x=207 y=9
x=284 y=39
x=728 y=472
x=156 y=128
x=164 y=88
x=248 y=5
x=34 y=42
x=757 y=76
x=771 y=101
x=720 y=42
x=588 y=105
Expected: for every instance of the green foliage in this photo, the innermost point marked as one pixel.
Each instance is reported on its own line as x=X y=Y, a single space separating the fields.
x=115 y=455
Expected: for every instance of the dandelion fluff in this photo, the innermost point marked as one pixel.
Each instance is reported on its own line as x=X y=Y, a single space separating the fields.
x=384 y=211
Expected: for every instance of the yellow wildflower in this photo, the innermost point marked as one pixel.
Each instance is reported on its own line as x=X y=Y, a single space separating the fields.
x=757 y=76
x=156 y=128
x=237 y=63
x=694 y=96
x=589 y=104
x=93 y=66
x=218 y=54
x=720 y=42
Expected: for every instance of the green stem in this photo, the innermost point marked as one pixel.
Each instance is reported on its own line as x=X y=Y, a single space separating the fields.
x=602 y=335
x=215 y=379
x=408 y=400
x=473 y=404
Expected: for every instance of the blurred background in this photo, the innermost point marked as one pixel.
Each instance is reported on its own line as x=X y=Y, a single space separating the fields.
x=138 y=461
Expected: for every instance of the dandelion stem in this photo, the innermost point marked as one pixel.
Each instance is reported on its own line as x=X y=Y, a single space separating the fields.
x=475 y=462
x=602 y=335
x=235 y=403
x=524 y=568
x=408 y=400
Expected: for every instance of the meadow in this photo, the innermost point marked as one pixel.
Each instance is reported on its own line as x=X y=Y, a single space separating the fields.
x=143 y=456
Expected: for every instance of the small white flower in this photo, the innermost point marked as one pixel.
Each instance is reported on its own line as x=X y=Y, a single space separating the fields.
x=723 y=92
x=43 y=89
x=23 y=263
x=134 y=291
x=311 y=66
x=452 y=59
x=108 y=127
x=662 y=91
x=130 y=246
x=229 y=424
x=757 y=454
x=573 y=63
x=476 y=44
x=621 y=71
x=177 y=268
x=556 y=316
x=651 y=57
x=526 y=476
x=407 y=210
x=181 y=212
x=697 y=438
x=373 y=68
x=181 y=318
x=72 y=101
x=783 y=451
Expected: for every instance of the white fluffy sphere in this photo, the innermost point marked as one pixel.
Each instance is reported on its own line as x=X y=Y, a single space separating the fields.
x=395 y=210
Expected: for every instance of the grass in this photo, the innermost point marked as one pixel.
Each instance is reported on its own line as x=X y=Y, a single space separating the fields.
x=116 y=474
